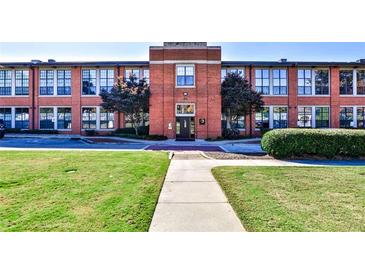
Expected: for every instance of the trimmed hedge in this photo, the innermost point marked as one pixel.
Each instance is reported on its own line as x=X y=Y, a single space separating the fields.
x=285 y=143
x=31 y=131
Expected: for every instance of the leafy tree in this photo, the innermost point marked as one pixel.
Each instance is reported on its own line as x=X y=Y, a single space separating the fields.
x=239 y=99
x=130 y=97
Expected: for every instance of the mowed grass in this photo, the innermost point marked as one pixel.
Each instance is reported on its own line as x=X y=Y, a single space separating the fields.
x=296 y=198
x=79 y=191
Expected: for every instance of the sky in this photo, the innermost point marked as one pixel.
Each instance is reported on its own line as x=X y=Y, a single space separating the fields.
x=246 y=51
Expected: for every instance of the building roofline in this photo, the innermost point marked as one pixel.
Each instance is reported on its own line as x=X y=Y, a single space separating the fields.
x=146 y=63
x=76 y=63
x=289 y=64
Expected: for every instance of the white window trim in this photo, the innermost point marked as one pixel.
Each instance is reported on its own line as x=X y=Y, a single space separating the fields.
x=184 y=65
x=97 y=79
x=55 y=83
x=55 y=112
x=13 y=113
x=271 y=114
x=313 y=87
x=98 y=108
x=12 y=71
x=354 y=114
x=185 y=115
x=354 y=83
x=271 y=81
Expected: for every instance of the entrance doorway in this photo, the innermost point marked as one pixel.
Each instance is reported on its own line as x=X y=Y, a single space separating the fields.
x=185 y=128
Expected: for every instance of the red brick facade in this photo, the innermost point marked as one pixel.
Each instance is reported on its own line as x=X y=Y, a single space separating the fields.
x=166 y=94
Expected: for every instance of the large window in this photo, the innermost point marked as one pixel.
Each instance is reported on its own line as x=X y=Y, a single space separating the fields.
x=185 y=75
x=22 y=118
x=46 y=82
x=346 y=82
x=280 y=117
x=106 y=79
x=185 y=109
x=321 y=79
x=64 y=82
x=360 y=75
x=64 y=118
x=46 y=118
x=106 y=119
x=322 y=117
x=237 y=71
x=146 y=75
x=5 y=82
x=88 y=82
x=346 y=117
x=280 y=83
x=89 y=118
x=5 y=114
x=262 y=77
x=21 y=82
x=304 y=117
x=237 y=122
x=262 y=118
x=128 y=122
x=360 y=117
x=131 y=73
x=304 y=81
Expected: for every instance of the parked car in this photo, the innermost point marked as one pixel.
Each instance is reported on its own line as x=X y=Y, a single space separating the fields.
x=2 y=128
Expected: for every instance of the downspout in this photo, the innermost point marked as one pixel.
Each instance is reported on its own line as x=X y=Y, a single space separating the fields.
x=33 y=97
x=118 y=71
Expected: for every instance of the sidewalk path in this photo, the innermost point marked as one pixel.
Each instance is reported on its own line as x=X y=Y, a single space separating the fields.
x=192 y=200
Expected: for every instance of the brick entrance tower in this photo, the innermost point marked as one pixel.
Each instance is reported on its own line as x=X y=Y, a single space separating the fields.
x=185 y=90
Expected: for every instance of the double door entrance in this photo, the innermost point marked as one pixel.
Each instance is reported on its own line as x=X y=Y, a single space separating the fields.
x=185 y=128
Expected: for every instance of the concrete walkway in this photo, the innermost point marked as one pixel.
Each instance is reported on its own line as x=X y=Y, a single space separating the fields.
x=192 y=200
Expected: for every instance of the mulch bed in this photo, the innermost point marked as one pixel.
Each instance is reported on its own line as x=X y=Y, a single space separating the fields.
x=236 y=156
x=186 y=148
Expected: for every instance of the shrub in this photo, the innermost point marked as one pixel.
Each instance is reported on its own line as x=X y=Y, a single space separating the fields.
x=284 y=143
x=231 y=133
x=142 y=130
x=155 y=137
x=31 y=131
x=90 y=132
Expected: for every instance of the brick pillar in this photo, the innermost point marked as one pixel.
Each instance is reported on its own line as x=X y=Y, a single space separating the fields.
x=292 y=97
x=335 y=97
x=214 y=105
x=168 y=101
x=76 y=100
x=156 y=99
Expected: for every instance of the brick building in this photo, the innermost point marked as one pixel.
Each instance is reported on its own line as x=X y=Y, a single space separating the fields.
x=185 y=99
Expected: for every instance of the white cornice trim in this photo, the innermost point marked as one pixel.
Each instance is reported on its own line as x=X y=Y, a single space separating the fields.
x=208 y=62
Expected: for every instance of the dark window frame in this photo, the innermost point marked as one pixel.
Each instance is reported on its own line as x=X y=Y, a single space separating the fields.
x=5 y=77
x=321 y=87
x=346 y=112
x=47 y=76
x=185 y=80
x=91 y=123
x=89 y=82
x=263 y=89
x=108 y=79
x=280 y=123
x=5 y=114
x=22 y=123
x=346 y=84
x=62 y=79
x=282 y=89
x=22 y=89
x=305 y=89
x=321 y=121
x=109 y=117
x=48 y=122
x=64 y=118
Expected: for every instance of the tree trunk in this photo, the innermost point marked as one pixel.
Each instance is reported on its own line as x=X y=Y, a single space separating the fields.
x=228 y=117
x=118 y=119
x=136 y=128
x=250 y=122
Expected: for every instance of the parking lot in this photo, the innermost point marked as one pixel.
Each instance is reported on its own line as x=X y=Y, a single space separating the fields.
x=63 y=143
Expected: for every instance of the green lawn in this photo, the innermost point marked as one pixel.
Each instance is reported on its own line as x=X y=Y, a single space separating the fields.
x=296 y=198
x=79 y=191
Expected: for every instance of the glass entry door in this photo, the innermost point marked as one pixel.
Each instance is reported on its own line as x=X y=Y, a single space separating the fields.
x=185 y=128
